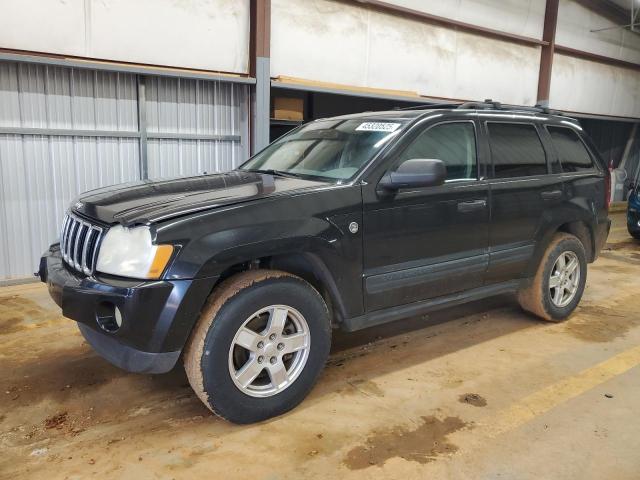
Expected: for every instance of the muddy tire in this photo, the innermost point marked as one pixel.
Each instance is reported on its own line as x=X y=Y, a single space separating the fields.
x=259 y=345
x=558 y=285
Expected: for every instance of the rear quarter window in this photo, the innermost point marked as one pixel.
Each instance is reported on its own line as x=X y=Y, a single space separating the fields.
x=572 y=153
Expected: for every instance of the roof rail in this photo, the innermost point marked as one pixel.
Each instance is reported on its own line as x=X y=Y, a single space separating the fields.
x=489 y=104
x=430 y=106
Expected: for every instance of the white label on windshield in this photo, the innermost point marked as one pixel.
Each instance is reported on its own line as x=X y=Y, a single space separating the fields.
x=378 y=127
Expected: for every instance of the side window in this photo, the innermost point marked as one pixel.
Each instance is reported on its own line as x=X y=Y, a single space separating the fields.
x=453 y=143
x=516 y=150
x=573 y=155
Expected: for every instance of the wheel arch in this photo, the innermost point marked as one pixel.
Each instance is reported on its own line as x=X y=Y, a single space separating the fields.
x=580 y=229
x=306 y=265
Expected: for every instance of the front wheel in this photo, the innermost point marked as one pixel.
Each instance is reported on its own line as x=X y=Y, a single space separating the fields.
x=259 y=345
x=558 y=285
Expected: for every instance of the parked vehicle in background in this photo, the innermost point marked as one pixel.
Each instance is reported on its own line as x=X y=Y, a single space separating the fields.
x=346 y=222
x=633 y=209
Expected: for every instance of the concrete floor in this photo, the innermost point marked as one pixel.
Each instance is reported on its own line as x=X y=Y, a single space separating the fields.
x=482 y=391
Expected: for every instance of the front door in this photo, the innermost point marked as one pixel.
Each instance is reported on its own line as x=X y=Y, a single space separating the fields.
x=428 y=242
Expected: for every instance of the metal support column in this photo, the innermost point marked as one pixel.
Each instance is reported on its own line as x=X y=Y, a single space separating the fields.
x=547 y=51
x=142 y=128
x=259 y=57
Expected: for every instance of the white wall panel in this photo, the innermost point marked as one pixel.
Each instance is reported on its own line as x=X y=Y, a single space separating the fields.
x=319 y=40
x=43 y=26
x=361 y=47
x=575 y=23
x=520 y=17
x=205 y=34
x=200 y=34
x=579 y=85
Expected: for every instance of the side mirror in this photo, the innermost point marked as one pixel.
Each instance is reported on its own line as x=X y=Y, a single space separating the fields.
x=415 y=173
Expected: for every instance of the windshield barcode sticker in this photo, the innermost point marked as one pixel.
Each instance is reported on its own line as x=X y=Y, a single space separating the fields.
x=378 y=127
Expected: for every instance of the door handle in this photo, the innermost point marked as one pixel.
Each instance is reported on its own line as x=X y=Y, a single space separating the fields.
x=551 y=195
x=471 y=206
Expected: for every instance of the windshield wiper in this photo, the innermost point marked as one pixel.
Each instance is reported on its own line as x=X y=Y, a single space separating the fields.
x=271 y=171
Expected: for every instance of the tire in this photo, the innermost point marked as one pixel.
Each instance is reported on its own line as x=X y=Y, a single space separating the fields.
x=635 y=234
x=249 y=309
x=539 y=298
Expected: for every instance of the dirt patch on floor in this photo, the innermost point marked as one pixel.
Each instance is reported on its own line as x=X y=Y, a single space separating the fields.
x=600 y=324
x=64 y=373
x=624 y=257
x=56 y=421
x=359 y=386
x=473 y=399
x=19 y=313
x=629 y=244
x=422 y=445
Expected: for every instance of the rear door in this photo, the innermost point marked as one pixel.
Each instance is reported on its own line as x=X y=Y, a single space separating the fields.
x=526 y=185
x=584 y=180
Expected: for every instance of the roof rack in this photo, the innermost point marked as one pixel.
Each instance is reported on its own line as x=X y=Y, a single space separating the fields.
x=489 y=104
x=430 y=106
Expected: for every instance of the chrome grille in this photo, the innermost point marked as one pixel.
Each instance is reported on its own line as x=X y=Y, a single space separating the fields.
x=79 y=241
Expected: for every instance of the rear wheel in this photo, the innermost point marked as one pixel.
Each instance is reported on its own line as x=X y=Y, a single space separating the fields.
x=259 y=345
x=559 y=282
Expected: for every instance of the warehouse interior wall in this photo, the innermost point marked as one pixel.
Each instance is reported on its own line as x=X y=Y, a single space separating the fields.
x=200 y=35
x=70 y=125
x=520 y=17
x=576 y=25
x=586 y=86
x=358 y=46
x=64 y=131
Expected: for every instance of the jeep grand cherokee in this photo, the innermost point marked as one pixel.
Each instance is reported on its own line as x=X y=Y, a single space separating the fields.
x=345 y=222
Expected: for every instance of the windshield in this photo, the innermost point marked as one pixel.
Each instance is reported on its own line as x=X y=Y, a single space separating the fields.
x=330 y=149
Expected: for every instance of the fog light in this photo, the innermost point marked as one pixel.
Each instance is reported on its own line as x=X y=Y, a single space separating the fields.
x=108 y=317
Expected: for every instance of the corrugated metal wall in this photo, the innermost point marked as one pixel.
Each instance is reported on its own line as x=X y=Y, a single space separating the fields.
x=209 y=117
x=64 y=131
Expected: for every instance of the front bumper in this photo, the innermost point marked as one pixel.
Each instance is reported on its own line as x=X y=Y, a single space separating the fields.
x=156 y=316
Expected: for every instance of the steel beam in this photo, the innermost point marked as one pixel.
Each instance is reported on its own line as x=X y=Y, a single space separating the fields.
x=260 y=69
x=547 y=51
x=71 y=62
x=594 y=57
x=447 y=22
x=142 y=127
x=67 y=132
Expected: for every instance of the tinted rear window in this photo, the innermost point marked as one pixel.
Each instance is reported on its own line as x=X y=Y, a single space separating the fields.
x=516 y=150
x=572 y=153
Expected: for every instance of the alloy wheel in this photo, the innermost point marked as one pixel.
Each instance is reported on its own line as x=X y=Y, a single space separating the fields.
x=269 y=351
x=564 y=279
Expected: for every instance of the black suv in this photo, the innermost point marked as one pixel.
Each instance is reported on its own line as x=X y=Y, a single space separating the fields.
x=345 y=222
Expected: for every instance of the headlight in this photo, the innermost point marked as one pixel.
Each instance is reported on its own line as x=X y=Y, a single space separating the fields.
x=129 y=252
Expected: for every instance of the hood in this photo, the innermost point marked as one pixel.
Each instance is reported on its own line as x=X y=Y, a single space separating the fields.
x=152 y=201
